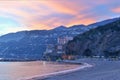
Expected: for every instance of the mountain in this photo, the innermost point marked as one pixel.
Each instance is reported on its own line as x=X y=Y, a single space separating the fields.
x=30 y=45
x=60 y=28
x=77 y=26
x=101 y=23
x=101 y=41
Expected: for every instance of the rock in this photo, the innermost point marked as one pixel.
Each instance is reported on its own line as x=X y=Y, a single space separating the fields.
x=101 y=41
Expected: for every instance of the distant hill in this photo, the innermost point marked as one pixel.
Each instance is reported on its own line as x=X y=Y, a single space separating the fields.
x=101 y=23
x=30 y=45
x=101 y=41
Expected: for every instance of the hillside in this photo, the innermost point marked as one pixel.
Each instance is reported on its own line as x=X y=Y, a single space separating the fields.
x=30 y=45
x=101 y=41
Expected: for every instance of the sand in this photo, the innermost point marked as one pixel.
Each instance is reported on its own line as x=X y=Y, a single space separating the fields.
x=101 y=70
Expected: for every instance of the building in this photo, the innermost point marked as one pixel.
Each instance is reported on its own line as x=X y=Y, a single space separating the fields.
x=64 y=40
x=56 y=50
x=61 y=42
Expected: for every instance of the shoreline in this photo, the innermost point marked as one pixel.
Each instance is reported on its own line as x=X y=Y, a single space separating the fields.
x=102 y=70
x=42 y=77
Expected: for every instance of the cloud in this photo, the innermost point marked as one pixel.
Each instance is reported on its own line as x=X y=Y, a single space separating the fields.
x=116 y=10
x=47 y=14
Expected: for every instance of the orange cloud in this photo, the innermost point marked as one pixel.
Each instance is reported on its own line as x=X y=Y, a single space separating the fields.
x=78 y=21
x=47 y=14
x=65 y=6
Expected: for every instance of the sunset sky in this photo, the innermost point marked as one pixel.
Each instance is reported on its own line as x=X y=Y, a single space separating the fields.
x=46 y=14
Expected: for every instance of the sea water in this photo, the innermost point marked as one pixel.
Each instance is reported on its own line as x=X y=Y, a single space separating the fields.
x=22 y=70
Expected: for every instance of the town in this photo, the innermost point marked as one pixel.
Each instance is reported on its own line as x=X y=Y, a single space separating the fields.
x=57 y=51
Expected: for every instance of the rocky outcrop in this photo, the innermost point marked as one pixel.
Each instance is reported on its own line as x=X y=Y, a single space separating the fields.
x=101 y=41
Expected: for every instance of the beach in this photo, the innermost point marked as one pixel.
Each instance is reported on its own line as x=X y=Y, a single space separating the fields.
x=24 y=70
x=101 y=70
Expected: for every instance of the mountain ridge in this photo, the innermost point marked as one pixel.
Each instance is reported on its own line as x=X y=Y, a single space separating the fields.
x=101 y=41
x=32 y=44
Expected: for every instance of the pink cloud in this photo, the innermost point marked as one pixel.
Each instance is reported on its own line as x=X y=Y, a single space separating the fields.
x=116 y=10
x=40 y=14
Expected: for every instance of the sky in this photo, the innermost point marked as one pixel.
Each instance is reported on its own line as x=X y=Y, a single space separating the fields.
x=47 y=14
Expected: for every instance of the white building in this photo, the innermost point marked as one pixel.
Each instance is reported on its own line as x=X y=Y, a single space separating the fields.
x=64 y=40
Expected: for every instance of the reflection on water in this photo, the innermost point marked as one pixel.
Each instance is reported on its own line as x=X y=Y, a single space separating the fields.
x=19 y=70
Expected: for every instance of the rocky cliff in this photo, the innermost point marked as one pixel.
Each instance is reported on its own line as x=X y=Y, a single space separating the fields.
x=101 y=41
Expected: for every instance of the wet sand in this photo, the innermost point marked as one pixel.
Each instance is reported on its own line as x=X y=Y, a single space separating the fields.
x=54 y=68
x=25 y=70
x=101 y=70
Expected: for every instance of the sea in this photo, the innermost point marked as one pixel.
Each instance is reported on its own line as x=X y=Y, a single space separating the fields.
x=25 y=70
